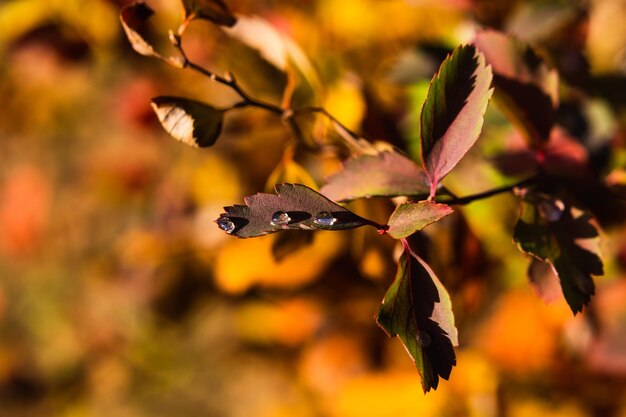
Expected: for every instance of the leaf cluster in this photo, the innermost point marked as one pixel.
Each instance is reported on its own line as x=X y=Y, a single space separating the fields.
x=416 y=307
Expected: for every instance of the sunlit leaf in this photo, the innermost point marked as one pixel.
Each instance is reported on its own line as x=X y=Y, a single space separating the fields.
x=189 y=121
x=386 y=174
x=452 y=115
x=526 y=88
x=215 y=11
x=565 y=238
x=133 y=17
x=417 y=309
x=295 y=206
x=276 y=48
x=408 y=218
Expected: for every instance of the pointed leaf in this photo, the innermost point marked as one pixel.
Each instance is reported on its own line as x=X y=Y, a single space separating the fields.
x=565 y=238
x=417 y=309
x=133 y=17
x=408 y=218
x=295 y=206
x=189 y=121
x=452 y=115
x=526 y=88
x=386 y=174
x=215 y=11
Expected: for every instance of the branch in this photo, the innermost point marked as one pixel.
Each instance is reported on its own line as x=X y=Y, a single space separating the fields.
x=461 y=201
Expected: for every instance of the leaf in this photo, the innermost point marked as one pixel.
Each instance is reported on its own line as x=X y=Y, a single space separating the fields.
x=386 y=174
x=295 y=206
x=215 y=11
x=408 y=218
x=526 y=88
x=565 y=238
x=276 y=48
x=543 y=279
x=189 y=121
x=417 y=309
x=133 y=17
x=452 y=115
x=285 y=244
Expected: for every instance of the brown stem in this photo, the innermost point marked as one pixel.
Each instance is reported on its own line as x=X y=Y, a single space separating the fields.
x=460 y=201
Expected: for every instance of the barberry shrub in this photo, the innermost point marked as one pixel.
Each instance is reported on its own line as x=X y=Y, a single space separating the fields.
x=559 y=219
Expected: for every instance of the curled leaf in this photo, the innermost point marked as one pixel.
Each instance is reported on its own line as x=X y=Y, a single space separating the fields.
x=189 y=121
x=133 y=17
x=215 y=11
x=408 y=218
x=452 y=115
x=294 y=206
x=563 y=237
x=385 y=174
x=526 y=88
x=418 y=310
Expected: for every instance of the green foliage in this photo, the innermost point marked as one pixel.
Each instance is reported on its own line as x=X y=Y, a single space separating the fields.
x=552 y=231
x=418 y=310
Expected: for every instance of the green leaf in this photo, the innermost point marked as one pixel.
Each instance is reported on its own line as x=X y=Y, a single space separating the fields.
x=408 y=218
x=565 y=238
x=527 y=90
x=133 y=17
x=452 y=115
x=386 y=174
x=215 y=11
x=295 y=206
x=418 y=310
x=189 y=121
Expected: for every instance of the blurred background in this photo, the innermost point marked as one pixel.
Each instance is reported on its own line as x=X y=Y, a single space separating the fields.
x=119 y=296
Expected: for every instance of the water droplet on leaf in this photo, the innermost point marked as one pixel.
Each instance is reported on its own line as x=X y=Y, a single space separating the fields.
x=226 y=224
x=324 y=218
x=280 y=218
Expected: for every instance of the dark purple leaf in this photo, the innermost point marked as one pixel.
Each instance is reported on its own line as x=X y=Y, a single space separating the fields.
x=295 y=206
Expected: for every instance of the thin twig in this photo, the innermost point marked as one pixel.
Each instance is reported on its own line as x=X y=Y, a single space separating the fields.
x=460 y=201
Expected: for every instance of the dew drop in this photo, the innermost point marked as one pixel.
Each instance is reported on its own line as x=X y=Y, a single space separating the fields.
x=226 y=224
x=280 y=218
x=324 y=218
